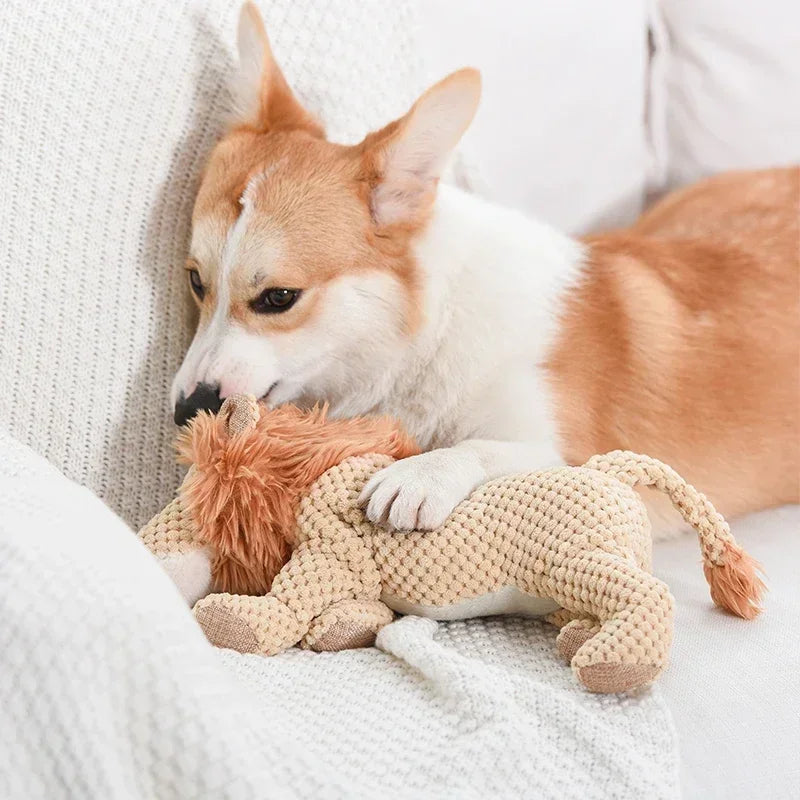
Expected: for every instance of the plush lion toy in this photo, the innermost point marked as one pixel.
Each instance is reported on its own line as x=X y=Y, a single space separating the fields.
x=268 y=519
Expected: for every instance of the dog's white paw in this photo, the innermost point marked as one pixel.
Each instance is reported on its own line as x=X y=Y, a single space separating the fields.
x=418 y=493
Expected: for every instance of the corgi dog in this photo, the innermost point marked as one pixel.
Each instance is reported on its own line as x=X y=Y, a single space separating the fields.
x=348 y=275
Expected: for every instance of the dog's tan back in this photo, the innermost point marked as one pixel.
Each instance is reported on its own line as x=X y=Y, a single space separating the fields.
x=683 y=340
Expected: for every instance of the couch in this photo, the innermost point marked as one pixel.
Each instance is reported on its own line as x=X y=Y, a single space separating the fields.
x=106 y=114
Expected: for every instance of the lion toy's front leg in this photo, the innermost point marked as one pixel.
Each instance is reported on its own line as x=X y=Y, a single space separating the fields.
x=316 y=601
x=346 y=625
x=172 y=537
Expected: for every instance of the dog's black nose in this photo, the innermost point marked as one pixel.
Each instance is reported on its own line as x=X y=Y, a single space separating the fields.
x=204 y=398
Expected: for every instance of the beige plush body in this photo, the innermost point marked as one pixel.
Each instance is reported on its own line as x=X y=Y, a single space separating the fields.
x=576 y=539
x=572 y=544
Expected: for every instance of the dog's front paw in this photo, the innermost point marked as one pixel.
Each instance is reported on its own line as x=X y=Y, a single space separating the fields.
x=418 y=493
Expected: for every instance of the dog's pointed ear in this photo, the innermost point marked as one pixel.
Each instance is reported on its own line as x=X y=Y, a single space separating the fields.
x=263 y=99
x=405 y=160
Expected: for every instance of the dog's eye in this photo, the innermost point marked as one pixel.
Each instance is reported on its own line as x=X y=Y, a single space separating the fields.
x=275 y=300
x=196 y=284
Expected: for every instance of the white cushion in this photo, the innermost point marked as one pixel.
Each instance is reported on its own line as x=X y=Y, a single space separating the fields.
x=732 y=86
x=561 y=129
x=107 y=116
x=732 y=685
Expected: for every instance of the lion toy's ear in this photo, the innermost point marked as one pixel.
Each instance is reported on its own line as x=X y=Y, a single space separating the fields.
x=240 y=412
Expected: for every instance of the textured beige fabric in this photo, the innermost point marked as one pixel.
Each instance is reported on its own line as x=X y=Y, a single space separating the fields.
x=695 y=508
x=348 y=623
x=170 y=531
x=242 y=412
x=224 y=628
x=579 y=536
x=573 y=634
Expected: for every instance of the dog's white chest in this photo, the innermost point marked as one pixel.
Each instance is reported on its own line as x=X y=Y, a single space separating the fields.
x=508 y=600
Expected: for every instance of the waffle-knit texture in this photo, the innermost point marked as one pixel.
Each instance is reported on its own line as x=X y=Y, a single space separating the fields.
x=636 y=470
x=579 y=536
x=108 y=114
x=348 y=623
x=171 y=531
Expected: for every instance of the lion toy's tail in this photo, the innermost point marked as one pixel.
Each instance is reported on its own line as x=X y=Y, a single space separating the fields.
x=732 y=574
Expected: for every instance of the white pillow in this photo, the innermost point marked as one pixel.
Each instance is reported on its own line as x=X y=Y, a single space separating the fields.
x=731 y=96
x=561 y=131
x=108 y=112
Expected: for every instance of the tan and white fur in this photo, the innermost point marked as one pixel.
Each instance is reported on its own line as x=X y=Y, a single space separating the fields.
x=500 y=343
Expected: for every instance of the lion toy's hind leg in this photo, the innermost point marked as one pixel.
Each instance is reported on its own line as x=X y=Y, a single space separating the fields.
x=627 y=647
x=575 y=630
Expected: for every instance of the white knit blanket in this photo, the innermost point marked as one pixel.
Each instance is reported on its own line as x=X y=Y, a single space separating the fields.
x=109 y=690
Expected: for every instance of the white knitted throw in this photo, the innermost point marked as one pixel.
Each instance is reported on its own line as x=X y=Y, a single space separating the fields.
x=108 y=689
x=107 y=112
